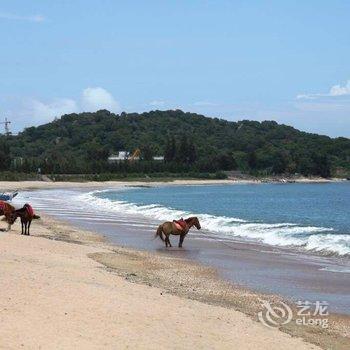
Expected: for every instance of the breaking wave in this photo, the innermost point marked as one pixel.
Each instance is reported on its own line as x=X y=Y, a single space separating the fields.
x=318 y=239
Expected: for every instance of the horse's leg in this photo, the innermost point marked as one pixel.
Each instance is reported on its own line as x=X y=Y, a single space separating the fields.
x=167 y=240
x=30 y=221
x=8 y=223
x=22 y=227
x=182 y=237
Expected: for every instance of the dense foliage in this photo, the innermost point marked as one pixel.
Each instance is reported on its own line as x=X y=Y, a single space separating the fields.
x=81 y=143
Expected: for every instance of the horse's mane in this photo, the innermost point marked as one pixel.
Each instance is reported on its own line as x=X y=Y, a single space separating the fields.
x=23 y=209
x=190 y=219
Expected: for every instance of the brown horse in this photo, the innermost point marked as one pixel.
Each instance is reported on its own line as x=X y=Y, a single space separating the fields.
x=27 y=215
x=170 y=228
x=9 y=212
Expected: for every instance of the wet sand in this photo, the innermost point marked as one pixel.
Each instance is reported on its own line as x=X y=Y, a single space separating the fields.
x=265 y=269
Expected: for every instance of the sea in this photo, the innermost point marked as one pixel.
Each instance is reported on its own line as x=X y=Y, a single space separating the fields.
x=314 y=217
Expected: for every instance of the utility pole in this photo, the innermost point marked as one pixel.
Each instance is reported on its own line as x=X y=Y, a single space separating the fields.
x=7 y=127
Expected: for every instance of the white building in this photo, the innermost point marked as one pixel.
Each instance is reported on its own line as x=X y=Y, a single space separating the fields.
x=124 y=155
x=121 y=156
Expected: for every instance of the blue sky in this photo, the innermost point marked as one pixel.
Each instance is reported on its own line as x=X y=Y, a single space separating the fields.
x=287 y=61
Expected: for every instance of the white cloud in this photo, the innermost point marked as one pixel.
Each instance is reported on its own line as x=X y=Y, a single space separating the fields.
x=307 y=96
x=32 y=111
x=95 y=98
x=41 y=111
x=204 y=104
x=32 y=18
x=157 y=103
x=338 y=90
x=335 y=90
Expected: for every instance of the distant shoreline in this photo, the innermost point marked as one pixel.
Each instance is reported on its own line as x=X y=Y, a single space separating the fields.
x=28 y=185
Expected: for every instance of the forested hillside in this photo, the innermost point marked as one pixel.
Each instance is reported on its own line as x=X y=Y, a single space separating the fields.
x=81 y=143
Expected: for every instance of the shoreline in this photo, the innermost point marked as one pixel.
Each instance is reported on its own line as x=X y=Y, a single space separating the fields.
x=33 y=185
x=173 y=277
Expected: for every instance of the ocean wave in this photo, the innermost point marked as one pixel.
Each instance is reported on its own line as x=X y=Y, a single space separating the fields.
x=312 y=238
x=329 y=243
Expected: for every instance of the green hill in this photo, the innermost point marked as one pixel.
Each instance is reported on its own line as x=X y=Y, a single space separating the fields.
x=81 y=143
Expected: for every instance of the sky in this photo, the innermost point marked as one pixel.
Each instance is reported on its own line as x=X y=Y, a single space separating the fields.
x=287 y=61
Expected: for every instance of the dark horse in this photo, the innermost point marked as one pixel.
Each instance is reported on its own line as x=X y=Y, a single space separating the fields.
x=171 y=228
x=27 y=215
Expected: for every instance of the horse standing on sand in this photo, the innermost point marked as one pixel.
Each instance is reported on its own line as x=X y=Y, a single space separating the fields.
x=9 y=212
x=27 y=215
x=178 y=228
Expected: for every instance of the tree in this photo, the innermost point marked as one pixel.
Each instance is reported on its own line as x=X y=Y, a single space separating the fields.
x=146 y=153
x=95 y=152
x=183 y=151
x=192 y=153
x=321 y=165
x=170 y=150
x=305 y=165
x=225 y=161
x=5 y=156
x=280 y=162
x=85 y=140
x=252 y=161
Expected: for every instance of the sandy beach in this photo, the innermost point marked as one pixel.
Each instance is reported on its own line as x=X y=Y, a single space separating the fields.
x=54 y=295
x=66 y=288
x=69 y=288
x=32 y=185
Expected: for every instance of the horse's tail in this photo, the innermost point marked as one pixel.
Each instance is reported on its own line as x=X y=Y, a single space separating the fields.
x=159 y=233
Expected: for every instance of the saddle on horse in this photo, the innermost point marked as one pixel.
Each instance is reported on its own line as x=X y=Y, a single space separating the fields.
x=5 y=208
x=180 y=224
x=29 y=209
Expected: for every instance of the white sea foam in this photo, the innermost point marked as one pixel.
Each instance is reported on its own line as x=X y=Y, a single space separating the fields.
x=341 y=269
x=281 y=234
x=330 y=243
